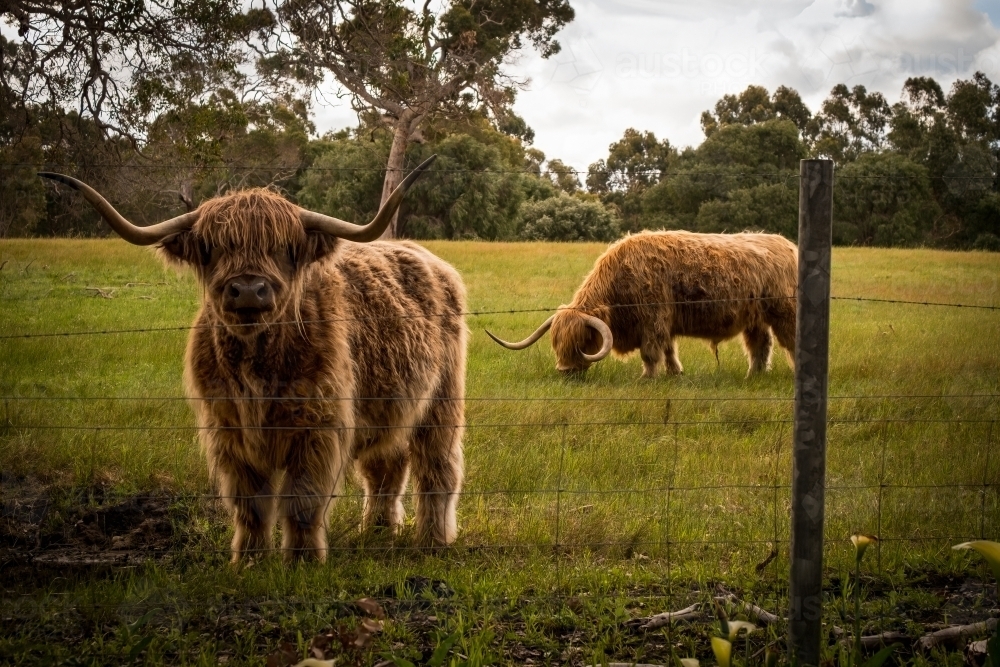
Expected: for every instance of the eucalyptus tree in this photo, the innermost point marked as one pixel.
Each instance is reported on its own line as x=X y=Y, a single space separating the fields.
x=851 y=121
x=402 y=64
x=119 y=64
x=635 y=163
x=756 y=105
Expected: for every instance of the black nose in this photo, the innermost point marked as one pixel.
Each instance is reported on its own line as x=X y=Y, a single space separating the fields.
x=248 y=293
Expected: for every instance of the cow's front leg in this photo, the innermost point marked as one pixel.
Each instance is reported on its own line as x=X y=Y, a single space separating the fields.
x=249 y=496
x=758 y=343
x=313 y=478
x=652 y=356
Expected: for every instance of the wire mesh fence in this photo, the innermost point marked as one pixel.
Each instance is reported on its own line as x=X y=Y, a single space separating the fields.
x=676 y=500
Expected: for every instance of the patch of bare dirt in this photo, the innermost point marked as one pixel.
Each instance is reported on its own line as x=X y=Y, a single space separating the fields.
x=40 y=530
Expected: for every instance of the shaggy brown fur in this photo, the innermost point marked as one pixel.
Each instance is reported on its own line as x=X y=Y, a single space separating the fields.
x=741 y=280
x=370 y=372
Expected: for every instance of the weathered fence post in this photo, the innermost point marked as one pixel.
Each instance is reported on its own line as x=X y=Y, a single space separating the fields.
x=812 y=339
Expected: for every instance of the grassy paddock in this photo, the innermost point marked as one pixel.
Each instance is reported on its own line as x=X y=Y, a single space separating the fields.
x=913 y=415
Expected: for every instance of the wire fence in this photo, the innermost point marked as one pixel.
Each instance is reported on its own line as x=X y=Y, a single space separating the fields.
x=472 y=313
x=670 y=417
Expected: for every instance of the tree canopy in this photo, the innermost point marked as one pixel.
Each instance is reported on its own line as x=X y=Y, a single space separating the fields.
x=403 y=67
x=922 y=171
x=117 y=64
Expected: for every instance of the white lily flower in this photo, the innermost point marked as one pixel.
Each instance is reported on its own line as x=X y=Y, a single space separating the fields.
x=861 y=544
x=736 y=626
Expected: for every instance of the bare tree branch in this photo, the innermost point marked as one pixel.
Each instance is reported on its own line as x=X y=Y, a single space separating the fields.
x=120 y=63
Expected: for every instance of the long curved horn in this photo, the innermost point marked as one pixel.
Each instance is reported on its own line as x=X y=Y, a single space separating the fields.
x=527 y=342
x=131 y=233
x=606 y=339
x=364 y=233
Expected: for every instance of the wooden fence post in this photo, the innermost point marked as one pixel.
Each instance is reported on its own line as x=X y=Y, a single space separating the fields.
x=812 y=342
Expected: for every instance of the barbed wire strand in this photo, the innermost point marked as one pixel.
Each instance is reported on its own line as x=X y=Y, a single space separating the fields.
x=501 y=399
x=434 y=549
x=472 y=313
x=554 y=492
x=389 y=427
x=538 y=171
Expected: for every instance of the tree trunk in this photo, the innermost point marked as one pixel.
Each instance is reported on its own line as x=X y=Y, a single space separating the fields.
x=394 y=168
x=186 y=195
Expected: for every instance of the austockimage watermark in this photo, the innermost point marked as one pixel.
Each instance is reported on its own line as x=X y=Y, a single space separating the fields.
x=852 y=62
x=687 y=64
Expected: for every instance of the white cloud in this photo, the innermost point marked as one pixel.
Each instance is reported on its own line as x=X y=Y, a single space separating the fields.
x=662 y=63
x=657 y=64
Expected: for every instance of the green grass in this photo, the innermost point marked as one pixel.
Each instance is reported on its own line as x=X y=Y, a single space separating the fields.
x=623 y=537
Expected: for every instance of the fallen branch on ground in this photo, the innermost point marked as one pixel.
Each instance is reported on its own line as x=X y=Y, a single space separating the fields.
x=975 y=652
x=762 y=615
x=956 y=632
x=667 y=617
x=108 y=293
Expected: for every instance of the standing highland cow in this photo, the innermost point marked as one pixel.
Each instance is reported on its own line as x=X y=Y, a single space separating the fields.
x=311 y=352
x=651 y=287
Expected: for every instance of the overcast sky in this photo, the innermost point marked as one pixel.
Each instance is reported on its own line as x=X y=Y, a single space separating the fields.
x=657 y=64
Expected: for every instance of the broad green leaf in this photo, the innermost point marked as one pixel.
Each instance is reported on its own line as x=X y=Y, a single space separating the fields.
x=140 y=647
x=993 y=649
x=989 y=550
x=441 y=652
x=144 y=620
x=398 y=662
x=880 y=657
x=723 y=651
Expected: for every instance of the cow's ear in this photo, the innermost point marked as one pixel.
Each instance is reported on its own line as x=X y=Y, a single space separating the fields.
x=185 y=248
x=317 y=246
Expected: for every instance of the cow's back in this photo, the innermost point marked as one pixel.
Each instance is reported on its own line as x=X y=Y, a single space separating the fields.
x=706 y=284
x=404 y=309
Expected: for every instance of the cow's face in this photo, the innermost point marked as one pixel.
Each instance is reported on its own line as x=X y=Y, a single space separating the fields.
x=579 y=338
x=250 y=251
x=572 y=338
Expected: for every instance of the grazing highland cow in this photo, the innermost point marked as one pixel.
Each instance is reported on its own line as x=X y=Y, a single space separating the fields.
x=311 y=353
x=651 y=287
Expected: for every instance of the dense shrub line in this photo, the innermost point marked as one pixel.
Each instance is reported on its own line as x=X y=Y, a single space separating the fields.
x=922 y=171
